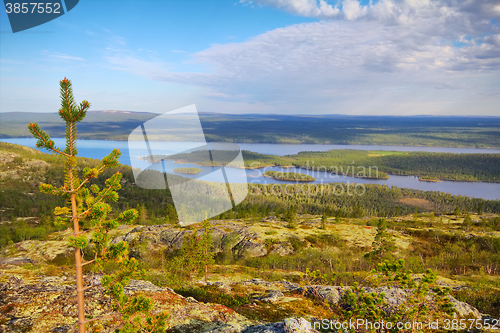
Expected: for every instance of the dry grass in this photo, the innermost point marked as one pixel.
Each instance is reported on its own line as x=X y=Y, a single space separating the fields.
x=421 y=203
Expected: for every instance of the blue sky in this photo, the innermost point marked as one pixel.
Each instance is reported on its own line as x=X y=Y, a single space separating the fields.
x=265 y=56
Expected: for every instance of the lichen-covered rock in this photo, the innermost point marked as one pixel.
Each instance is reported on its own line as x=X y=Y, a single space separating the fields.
x=298 y=325
x=48 y=304
x=281 y=249
x=394 y=296
x=172 y=238
x=37 y=251
x=15 y=261
x=249 y=248
x=328 y=294
x=272 y=297
x=464 y=309
x=231 y=237
x=267 y=328
x=289 y=325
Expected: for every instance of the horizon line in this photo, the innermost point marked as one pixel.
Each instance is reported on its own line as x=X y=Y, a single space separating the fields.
x=276 y=114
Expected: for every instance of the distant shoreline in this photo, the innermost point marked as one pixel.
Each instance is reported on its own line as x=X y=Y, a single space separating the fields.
x=285 y=144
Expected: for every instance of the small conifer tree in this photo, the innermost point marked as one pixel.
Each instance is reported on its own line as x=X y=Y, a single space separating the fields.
x=88 y=202
x=196 y=254
x=467 y=222
x=383 y=244
x=425 y=300
x=323 y=221
x=291 y=218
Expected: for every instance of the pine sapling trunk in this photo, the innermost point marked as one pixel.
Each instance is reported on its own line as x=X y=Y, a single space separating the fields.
x=79 y=271
x=78 y=253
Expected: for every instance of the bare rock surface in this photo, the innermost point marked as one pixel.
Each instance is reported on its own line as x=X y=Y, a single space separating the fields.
x=15 y=261
x=48 y=304
x=289 y=325
x=232 y=237
x=333 y=294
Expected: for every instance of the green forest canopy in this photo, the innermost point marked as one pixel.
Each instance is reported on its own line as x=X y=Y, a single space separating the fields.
x=440 y=131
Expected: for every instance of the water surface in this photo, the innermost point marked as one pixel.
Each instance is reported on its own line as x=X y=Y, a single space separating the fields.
x=100 y=148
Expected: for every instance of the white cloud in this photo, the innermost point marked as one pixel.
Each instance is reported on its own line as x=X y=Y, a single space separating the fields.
x=352 y=9
x=388 y=57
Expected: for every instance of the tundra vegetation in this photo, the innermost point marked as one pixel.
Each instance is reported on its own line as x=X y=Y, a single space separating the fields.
x=302 y=230
x=305 y=252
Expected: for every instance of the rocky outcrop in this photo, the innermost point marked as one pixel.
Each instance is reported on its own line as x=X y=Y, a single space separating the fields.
x=281 y=249
x=289 y=325
x=48 y=304
x=394 y=296
x=15 y=261
x=231 y=237
x=272 y=297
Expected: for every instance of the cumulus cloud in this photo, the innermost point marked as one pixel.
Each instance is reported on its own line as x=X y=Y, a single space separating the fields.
x=400 y=11
x=411 y=56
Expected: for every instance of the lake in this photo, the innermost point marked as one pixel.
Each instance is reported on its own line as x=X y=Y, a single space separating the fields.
x=491 y=191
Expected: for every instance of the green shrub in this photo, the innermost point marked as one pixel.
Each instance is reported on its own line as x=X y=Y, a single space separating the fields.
x=324 y=240
x=297 y=243
x=213 y=294
x=486 y=300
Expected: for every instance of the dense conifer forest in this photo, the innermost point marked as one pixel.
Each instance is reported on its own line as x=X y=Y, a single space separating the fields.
x=439 y=131
x=31 y=212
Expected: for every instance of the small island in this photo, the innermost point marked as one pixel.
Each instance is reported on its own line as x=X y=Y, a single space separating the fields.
x=188 y=171
x=291 y=176
x=428 y=179
x=379 y=175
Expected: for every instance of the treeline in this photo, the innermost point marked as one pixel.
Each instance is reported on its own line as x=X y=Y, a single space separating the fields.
x=464 y=167
x=353 y=201
x=376 y=164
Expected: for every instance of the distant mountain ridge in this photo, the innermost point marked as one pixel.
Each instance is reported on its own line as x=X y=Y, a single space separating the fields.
x=443 y=131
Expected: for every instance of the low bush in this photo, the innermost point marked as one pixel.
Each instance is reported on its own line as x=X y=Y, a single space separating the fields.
x=214 y=294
